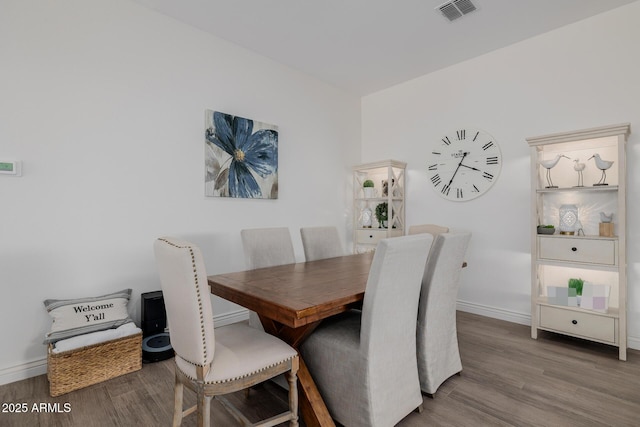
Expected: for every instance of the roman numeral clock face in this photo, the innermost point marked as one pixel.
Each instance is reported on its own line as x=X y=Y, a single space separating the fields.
x=464 y=164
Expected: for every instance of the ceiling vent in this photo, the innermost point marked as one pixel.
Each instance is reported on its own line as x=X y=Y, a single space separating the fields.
x=456 y=8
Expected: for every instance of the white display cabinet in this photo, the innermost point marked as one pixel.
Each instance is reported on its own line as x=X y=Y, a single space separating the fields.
x=594 y=253
x=388 y=178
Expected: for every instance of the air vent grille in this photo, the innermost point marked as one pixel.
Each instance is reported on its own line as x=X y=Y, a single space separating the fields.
x=465 y=6
x=456 y=8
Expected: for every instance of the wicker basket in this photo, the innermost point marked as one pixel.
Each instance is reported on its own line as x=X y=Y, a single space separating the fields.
x=74 y=369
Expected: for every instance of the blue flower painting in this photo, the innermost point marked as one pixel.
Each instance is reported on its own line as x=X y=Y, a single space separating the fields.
x=241 y=157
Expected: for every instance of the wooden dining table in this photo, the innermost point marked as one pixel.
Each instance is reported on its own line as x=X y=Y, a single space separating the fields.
x=291 y=301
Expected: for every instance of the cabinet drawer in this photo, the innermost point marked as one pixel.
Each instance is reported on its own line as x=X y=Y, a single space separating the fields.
x=578 y=324
x=592 y=251
x=370 y=237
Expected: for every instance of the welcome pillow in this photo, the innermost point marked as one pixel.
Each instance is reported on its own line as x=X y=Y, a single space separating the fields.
x=73 y=317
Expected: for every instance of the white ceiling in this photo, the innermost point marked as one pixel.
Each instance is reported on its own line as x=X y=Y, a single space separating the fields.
x=364 y=46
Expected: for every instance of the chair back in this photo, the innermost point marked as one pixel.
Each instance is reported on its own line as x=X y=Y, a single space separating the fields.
x=432 y=229
x=437 y=336
x=321 y=243
x=390 y=303
x=439 y=293
x=187 y=299
x=267 y=247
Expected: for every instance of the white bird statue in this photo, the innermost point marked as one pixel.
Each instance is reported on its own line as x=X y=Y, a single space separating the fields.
x=548 y=164
x=606 y=218
x=603 y=165
x=579 y=167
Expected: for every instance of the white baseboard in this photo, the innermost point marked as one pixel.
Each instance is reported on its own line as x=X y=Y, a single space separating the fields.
x=23 y=371
x=233 y=317
x=39 y=366
x=495 y=313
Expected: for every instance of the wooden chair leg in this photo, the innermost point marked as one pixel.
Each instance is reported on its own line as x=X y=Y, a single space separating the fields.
x=207 y=411
x=178 y=390
x=292 y=379
x=201 y=406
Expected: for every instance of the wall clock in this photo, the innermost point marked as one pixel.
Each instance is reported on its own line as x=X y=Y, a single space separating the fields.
x=464 y=164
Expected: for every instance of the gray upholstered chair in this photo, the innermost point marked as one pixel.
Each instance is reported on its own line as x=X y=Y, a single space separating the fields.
x=266 y=247
x=432 y=229
x=321 y=243
x=364 y=364
x=215 y=362
x=437 y=337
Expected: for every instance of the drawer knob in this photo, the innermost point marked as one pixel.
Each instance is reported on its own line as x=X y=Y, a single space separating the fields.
x=575 y=322
x=574 y=249
x=371 y=236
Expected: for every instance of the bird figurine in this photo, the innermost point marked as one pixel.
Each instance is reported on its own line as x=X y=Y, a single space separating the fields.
x=603 y=165
x=548 y=164
x=606 y=218
x=579 y=167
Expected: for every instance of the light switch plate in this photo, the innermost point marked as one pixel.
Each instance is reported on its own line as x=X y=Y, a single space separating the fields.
x=10 y=167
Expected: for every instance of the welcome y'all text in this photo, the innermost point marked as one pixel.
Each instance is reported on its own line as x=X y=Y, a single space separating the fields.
x=93 y=317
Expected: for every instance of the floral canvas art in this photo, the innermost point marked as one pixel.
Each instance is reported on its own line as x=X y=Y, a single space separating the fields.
x=241 y=157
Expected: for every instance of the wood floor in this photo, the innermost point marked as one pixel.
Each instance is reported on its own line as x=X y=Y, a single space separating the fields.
x=508 y=380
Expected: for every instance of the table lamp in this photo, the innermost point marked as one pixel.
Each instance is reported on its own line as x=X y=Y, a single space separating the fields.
x=568 y=219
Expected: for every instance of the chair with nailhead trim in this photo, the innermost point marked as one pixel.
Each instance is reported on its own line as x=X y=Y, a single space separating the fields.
x=214 y=362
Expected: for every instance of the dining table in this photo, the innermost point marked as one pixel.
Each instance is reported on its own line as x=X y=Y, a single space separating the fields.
x=291 y=301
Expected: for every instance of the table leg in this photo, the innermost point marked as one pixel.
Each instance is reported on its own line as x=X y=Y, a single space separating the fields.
x=312 y=408
x=314 y=411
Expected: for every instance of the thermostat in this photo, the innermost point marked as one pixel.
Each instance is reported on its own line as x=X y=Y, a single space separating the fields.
x=10 y=167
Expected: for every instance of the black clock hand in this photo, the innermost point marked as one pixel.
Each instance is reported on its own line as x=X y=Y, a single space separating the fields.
x=459 y=164
x=471 y=167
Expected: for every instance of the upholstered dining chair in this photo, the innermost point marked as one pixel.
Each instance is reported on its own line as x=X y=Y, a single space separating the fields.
x=364 y=363
x=266 y=247
x=321 y=243
x=432 y=229
x=213 y=362
x=437 y=337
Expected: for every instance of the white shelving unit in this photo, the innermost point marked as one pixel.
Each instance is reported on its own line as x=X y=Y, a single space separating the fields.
x=393 y=173
x=596 y=259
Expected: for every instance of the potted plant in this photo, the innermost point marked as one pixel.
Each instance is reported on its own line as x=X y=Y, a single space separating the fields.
x=382 y=214
x=577 y=285
x=367 y=187
x=546 y=229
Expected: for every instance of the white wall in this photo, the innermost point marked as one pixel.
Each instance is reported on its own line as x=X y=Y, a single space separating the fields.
x=103 y=102
x=580 y=76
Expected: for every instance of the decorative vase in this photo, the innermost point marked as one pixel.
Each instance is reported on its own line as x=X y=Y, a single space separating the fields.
x=369 y=192
x=366 y=216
